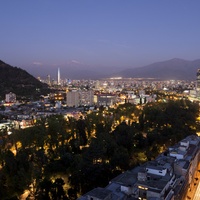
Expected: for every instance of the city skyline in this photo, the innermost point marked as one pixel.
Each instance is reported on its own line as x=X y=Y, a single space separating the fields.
x=41 y=37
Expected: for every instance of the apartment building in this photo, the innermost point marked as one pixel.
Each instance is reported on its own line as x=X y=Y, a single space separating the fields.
x=75 y=98
x=87 y=98
x=10 y=98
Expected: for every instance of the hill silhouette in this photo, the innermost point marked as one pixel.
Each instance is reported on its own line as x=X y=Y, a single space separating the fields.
x=176 y=69
x=20 y=82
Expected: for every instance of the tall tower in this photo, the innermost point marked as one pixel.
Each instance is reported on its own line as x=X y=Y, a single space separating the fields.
x=58 y=76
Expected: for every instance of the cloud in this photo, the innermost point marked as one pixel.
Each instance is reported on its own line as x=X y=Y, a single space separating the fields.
x=37 y=63
x=75 y=62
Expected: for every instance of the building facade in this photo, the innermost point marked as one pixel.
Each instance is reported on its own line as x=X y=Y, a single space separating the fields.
x=10 y=98
x=87 y=98
x=198 y=84
x=73 y=98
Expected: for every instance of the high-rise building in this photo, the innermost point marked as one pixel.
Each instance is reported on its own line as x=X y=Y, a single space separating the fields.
x=198 y=84
x=73 y=98
x=58 y=76
x=198 y=80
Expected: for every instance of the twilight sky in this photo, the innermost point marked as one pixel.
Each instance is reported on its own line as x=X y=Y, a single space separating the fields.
x=42 y=35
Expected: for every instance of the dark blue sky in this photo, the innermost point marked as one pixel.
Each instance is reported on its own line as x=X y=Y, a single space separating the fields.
x=42 y=35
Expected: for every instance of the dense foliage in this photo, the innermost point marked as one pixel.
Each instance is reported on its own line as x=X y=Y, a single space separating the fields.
x=61 y=159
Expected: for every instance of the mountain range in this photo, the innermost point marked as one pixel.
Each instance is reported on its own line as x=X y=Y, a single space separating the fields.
x=174 y=69
x=170 y=69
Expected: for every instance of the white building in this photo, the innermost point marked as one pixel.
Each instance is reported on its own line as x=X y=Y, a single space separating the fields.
x=73 y=98
x=10 y=98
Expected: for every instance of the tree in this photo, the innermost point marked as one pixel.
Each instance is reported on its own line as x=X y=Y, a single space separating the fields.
x=44 y=188
x=123 y=136
x=57 y=190
x=120 y=159
x=53 y=127
x=81 y=134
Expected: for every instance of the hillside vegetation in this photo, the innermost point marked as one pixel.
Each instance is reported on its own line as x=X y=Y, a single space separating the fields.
x=18 y=81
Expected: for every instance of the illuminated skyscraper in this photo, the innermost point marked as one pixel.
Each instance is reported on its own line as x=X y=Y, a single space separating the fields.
x=58 y=76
